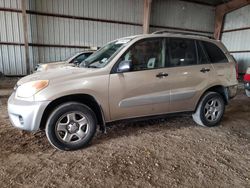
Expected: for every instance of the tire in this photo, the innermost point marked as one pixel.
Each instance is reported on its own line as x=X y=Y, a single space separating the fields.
x=71 y=126
x=248 y=93
x=208 y=113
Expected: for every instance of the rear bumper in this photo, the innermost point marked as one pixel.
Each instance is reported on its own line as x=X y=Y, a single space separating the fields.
x=26 y=115
x=232 y=91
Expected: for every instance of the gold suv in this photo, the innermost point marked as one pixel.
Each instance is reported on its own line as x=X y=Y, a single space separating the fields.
x=129 y=78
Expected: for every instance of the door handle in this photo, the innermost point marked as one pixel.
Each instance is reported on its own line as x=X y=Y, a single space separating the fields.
x=204 y=70
x=162 y=75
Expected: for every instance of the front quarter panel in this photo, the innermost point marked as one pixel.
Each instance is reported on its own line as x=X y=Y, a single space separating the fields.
x=96 y=86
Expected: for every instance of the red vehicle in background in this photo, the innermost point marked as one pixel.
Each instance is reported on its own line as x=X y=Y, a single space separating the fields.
x=247 y=82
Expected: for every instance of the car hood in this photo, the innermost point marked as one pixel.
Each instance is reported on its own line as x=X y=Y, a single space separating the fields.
x=60 y=74
x=58 y=63
x=52 y=65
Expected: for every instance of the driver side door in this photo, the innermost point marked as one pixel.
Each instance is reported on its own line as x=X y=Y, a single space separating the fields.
x=134 y=93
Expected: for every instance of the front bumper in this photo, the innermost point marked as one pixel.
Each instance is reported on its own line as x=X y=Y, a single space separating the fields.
x=26 y=115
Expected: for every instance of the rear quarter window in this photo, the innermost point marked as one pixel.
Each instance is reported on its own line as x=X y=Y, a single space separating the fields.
x=215 y=54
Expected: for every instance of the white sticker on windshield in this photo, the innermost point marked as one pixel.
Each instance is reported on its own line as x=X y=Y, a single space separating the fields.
x=122 y=41
x=104 y=60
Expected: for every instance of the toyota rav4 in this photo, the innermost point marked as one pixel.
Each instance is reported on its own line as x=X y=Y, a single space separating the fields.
x=129 y=78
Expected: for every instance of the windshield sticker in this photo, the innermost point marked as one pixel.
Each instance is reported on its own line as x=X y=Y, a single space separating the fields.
x=104 y=60
x=122 y=41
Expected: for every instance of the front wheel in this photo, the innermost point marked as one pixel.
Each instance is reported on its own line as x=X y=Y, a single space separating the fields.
x=71 y=126
x=210 y=110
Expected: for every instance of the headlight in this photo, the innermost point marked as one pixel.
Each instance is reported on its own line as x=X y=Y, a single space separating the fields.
x=31 y=88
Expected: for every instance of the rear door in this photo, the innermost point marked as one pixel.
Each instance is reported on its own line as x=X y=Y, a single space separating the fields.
x=189 y=73
x=225 y=71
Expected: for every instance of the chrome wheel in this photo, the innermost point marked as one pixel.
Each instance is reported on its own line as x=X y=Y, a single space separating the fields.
x=72 y=127
x=213 y=110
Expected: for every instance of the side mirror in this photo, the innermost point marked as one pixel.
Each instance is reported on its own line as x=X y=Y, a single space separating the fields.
x=124 y=66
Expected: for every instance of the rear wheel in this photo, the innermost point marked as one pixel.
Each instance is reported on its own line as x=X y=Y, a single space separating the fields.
x=210 y=110
x=71 y=126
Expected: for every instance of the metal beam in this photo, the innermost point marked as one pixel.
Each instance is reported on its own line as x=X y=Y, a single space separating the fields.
x=25 y=35
x=222 y=10
x=146 y=16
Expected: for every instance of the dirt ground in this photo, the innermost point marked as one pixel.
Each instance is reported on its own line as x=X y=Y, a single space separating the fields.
x=173 y=152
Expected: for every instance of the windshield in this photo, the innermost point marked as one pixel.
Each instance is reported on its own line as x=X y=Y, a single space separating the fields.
x=102 y=57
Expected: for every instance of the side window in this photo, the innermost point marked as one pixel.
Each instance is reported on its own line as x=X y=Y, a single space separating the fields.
x=145 y=54
x=80 y=58
x=215 y=54
x=182 y=52
x=202 y=57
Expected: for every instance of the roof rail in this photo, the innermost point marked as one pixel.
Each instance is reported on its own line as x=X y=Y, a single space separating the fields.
x=183 y=33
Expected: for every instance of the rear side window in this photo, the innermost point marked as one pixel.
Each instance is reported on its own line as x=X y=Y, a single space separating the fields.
x=182 y=52
x=215 y=54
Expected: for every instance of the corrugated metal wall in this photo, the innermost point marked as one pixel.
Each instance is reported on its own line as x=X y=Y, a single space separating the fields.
x=78 y=30
x=184 y=15
x=69 y=26
x=236 y=36
x=58 y=28
x=11 y=56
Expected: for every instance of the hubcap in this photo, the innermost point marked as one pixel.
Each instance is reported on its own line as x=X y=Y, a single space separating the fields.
x=213 y=110
x=72 y=127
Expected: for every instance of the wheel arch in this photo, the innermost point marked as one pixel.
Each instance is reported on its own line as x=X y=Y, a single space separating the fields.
x=86 y=99
x=223 y=91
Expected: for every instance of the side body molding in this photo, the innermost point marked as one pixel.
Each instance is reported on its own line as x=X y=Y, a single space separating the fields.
x=155 y=98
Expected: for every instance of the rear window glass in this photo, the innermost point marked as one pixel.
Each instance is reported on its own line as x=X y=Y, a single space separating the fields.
x=182 y=52
x=215 y=54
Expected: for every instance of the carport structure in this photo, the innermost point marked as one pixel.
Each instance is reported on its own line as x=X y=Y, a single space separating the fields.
x=37 y=31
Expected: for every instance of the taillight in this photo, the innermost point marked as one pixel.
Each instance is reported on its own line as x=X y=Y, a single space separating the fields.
x=247 y=75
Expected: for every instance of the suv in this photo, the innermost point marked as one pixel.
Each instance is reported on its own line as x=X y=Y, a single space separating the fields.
x=129 y=78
